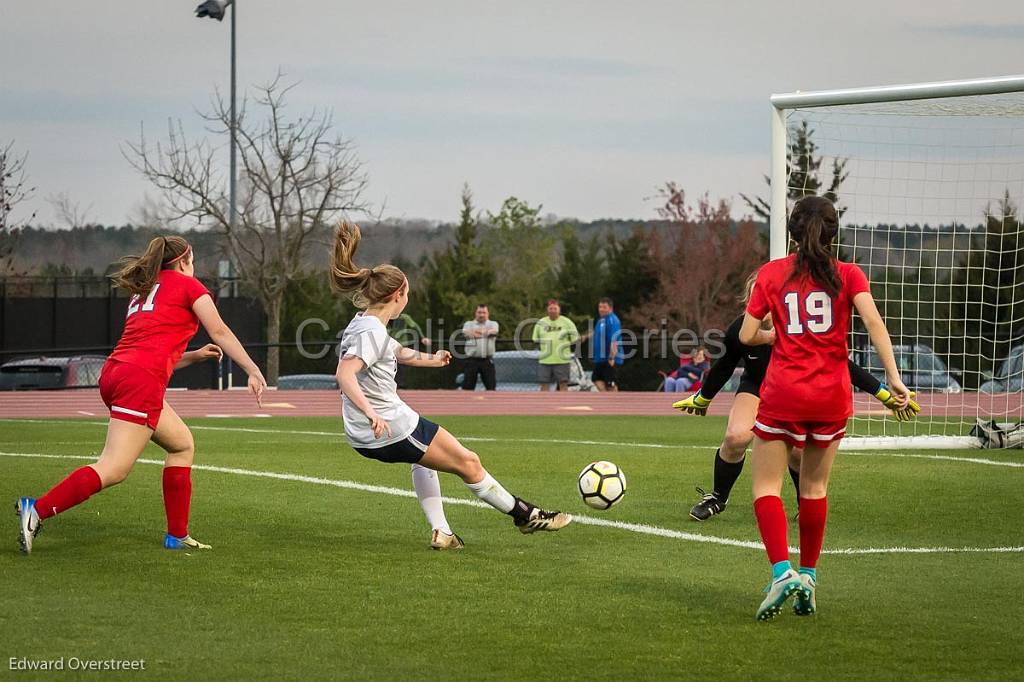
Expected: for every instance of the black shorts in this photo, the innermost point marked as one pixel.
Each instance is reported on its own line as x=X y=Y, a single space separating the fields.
x=410 y=449
x=749 y=384
x=604 y=372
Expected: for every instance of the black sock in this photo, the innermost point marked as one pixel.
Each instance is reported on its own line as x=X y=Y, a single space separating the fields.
x=726 y=474
x=795 y=475
x=521 y=511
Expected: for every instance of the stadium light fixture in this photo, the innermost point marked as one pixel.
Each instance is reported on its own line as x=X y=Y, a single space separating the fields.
x=216 y=9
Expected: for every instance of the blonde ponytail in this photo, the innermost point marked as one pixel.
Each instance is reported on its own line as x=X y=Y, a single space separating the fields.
x=368 y=286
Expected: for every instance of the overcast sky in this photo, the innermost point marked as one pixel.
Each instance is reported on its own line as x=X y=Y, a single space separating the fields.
x=584 y=107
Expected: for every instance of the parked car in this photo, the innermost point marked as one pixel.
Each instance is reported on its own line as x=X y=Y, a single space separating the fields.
x=1010 y=377
x=920 y=368
x=307 y=382
x=80 y=371
x=516 y=370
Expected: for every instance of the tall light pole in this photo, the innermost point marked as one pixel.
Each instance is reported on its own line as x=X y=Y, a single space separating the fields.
x=215 y=9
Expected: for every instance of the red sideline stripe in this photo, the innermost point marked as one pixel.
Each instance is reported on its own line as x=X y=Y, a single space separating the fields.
x=31 y=404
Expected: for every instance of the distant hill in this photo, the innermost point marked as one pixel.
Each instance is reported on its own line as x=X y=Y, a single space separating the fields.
x=96 y=247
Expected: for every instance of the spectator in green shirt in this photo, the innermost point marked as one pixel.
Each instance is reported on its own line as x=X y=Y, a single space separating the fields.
x=555 y=334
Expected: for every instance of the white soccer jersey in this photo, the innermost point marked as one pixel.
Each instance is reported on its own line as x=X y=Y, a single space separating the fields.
x=367 y=338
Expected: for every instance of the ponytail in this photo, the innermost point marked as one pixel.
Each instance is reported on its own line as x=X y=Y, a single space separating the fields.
x=814 y=224
x=138 y=274
x=368 y=286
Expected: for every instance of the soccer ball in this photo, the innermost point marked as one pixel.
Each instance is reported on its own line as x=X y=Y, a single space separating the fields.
x=602 y=484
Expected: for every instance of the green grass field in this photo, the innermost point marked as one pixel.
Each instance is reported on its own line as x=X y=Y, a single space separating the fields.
x=311 y=580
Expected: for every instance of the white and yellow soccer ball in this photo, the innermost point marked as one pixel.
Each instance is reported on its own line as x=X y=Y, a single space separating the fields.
x=602 y=484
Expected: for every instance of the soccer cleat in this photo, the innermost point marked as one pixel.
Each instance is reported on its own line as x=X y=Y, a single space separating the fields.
x=543 y=520
x=25 y=508
x=804 y=604
x=778 y=592
x=708 y=506
x=441 y=540
x=187 y=542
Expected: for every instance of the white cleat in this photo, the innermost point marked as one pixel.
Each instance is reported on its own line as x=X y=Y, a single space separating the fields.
x=778 y=592
x=30 y=524
x=805 y=603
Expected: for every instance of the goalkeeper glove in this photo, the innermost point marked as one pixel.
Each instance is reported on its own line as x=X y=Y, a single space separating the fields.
x=902 y=414
x=695 y=404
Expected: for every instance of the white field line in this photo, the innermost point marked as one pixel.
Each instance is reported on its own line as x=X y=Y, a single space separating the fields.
x=577 y=518
x=558 y=441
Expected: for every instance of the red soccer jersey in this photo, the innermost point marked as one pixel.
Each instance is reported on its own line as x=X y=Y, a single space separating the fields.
x=157 y=329
x=808 y=377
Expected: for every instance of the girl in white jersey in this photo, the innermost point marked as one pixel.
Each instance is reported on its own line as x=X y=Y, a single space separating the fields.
x=379 y=425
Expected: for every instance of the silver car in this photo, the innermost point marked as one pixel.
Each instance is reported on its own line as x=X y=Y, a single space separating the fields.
x=516 y=370
x=920 y=368
x=1010 y=377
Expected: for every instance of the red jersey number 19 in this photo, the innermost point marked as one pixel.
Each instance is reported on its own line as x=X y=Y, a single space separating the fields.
x=147 y=306
x=817 y=305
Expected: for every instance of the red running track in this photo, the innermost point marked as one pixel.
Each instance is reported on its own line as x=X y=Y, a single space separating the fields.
x=238 y=403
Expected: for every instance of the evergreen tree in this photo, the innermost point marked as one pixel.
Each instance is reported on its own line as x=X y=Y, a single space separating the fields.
x=979 y=309
x=803 y=168
x=632 y=276
x=456 y=279
x=580 y=280
x=524 y=258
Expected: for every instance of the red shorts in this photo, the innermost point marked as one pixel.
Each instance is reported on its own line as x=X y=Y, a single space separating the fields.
x=132 y=394
x=801 y=433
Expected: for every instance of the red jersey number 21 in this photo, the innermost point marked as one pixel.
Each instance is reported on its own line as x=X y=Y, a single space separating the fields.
x=818 y=308
x=147 y=306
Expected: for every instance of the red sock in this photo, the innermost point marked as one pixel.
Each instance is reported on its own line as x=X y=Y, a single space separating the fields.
x=79 y=486
x=812 y=529
x=771 y=520
x=177 y=499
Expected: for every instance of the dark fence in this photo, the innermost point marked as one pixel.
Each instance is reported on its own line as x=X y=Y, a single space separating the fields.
x=66 y=316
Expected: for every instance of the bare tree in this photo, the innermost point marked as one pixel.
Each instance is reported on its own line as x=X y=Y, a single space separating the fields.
x=69 y=212
x=296 y=176
x=14 y=189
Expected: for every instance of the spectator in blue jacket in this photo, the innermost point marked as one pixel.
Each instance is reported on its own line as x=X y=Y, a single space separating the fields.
x=606 y=347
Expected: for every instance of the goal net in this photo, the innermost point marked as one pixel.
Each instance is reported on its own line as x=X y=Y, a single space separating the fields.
x=929 y=180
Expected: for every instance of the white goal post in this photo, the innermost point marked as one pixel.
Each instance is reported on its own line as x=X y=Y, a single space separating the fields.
x=928 y=177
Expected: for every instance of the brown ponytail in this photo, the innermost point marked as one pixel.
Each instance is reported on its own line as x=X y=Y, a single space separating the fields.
x=138 y=274
x=368 y=286
x=814 y=224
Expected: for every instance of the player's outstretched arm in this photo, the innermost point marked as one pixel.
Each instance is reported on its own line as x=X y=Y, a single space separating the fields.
x=414 y=358
x=867 y=383
x=222 y=335
x=868 y=311
x=348 y=367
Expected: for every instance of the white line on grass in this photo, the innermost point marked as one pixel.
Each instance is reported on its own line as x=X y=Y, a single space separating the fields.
x=640 y=528
x=557 y=441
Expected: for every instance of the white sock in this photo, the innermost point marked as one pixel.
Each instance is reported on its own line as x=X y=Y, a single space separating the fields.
x=491 y=492
x=428 y=490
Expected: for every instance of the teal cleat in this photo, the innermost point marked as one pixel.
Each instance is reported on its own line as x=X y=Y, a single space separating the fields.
x=187 y=542
x=25 y=508
x=778 y=592
x=804 y=604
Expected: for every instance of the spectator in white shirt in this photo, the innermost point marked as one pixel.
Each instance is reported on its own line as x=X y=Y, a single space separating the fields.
x=480 y=333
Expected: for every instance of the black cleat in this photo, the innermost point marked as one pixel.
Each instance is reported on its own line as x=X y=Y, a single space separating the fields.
x=708 y=506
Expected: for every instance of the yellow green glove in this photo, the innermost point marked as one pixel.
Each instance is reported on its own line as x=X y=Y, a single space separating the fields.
x=903 y=414
x=695 y=404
